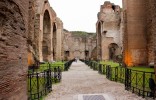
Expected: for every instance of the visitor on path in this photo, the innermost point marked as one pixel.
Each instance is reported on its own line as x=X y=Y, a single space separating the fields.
x=75 y=59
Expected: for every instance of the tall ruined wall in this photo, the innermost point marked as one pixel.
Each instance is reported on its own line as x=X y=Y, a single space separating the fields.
x=59 y=39
x=43 y=25
x=135 y=36
x=151 y=21
x=81 y=45
x=44 y=18
x=108 y=30
x=151 y=29
x=13 y=49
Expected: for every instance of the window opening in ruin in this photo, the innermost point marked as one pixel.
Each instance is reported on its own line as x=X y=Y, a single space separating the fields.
x=67 y=53
x=86 y=53
x=113 y=7
x=112 y=51
x=54 y=41
x=99 y=40
x=46 y=34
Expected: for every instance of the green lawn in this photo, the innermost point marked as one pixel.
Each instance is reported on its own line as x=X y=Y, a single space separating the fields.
x=41 y=80
x=113 y=64
x=140 y=68
x=139 y=75
x=50 y=65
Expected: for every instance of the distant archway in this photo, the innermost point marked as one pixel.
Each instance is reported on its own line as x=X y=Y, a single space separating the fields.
x=77 y=54
x=46 y=36
x=54 y=41
x=112 y=50
x=99 y=40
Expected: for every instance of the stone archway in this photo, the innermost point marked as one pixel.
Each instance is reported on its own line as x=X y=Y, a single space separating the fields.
x=46 y=44
x=112 y=51
x=54 y=41
x=99 y=41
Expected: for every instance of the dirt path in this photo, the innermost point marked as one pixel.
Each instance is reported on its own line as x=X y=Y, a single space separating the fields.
x=80 y=79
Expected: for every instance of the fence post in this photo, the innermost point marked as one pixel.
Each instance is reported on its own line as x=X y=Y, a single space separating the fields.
x=45 y=81
x=38 y=95
x=49 y=80
x=116 y=74
x=55 y=75
x=104 y=69
x=143 y=94
x=126 y=78
x=59 y=74
x=29 y=77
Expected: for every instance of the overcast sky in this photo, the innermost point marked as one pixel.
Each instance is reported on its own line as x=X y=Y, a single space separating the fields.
x=79 y=15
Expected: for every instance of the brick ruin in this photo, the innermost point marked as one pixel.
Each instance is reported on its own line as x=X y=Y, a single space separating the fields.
x=109 y=32
x=45 y=32
x=139 y=32
x=82 y=45
x=13 y=49
x=30 y=31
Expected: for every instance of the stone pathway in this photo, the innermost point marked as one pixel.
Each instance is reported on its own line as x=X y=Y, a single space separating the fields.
x=80 y=79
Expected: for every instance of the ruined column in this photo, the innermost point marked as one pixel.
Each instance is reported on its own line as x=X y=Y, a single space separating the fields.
x=13 y=49
x=135 y=42
x=152 y=33
x=59 y=40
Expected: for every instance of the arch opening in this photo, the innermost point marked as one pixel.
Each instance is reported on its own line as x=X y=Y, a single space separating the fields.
x=113 y=51
x=54 y=41
x=99 y=41
x=46 y=36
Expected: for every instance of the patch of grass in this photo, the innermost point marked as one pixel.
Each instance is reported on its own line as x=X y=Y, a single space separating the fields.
x=111 y=63
x=39 y=85
x=139 y=75
x=51 y=66
x=142 y=68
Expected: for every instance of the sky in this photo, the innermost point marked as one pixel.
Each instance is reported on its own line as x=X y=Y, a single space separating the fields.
x=79 y=15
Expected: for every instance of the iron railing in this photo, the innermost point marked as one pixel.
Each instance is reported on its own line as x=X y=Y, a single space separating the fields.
x=40 y=83
x=134 y=80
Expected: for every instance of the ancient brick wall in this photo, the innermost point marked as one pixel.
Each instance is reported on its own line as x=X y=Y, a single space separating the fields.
x=13 y=49
x=80 y=45
x=44 y=19
x=59 y=39
x=108 y=30
x=135 y=41
x=152 y=31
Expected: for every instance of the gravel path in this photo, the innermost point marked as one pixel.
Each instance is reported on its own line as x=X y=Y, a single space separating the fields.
x=80 y=79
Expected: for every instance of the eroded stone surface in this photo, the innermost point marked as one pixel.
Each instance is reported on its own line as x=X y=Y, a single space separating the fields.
x=79 y=45
x=109 y=31
x=13 y=49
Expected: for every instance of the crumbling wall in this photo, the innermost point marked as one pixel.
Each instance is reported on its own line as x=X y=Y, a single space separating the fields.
x=108 y=29
x=59 y=38
x=13 y=49
x=81 y=46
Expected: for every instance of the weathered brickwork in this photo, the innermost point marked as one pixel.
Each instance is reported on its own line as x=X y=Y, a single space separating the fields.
x=13 y=49
x=152 y=31
x=109 y=32
x=139 y=30
x=136 y=42
x=26 y=35
x=45 y=32
x=77 y=45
